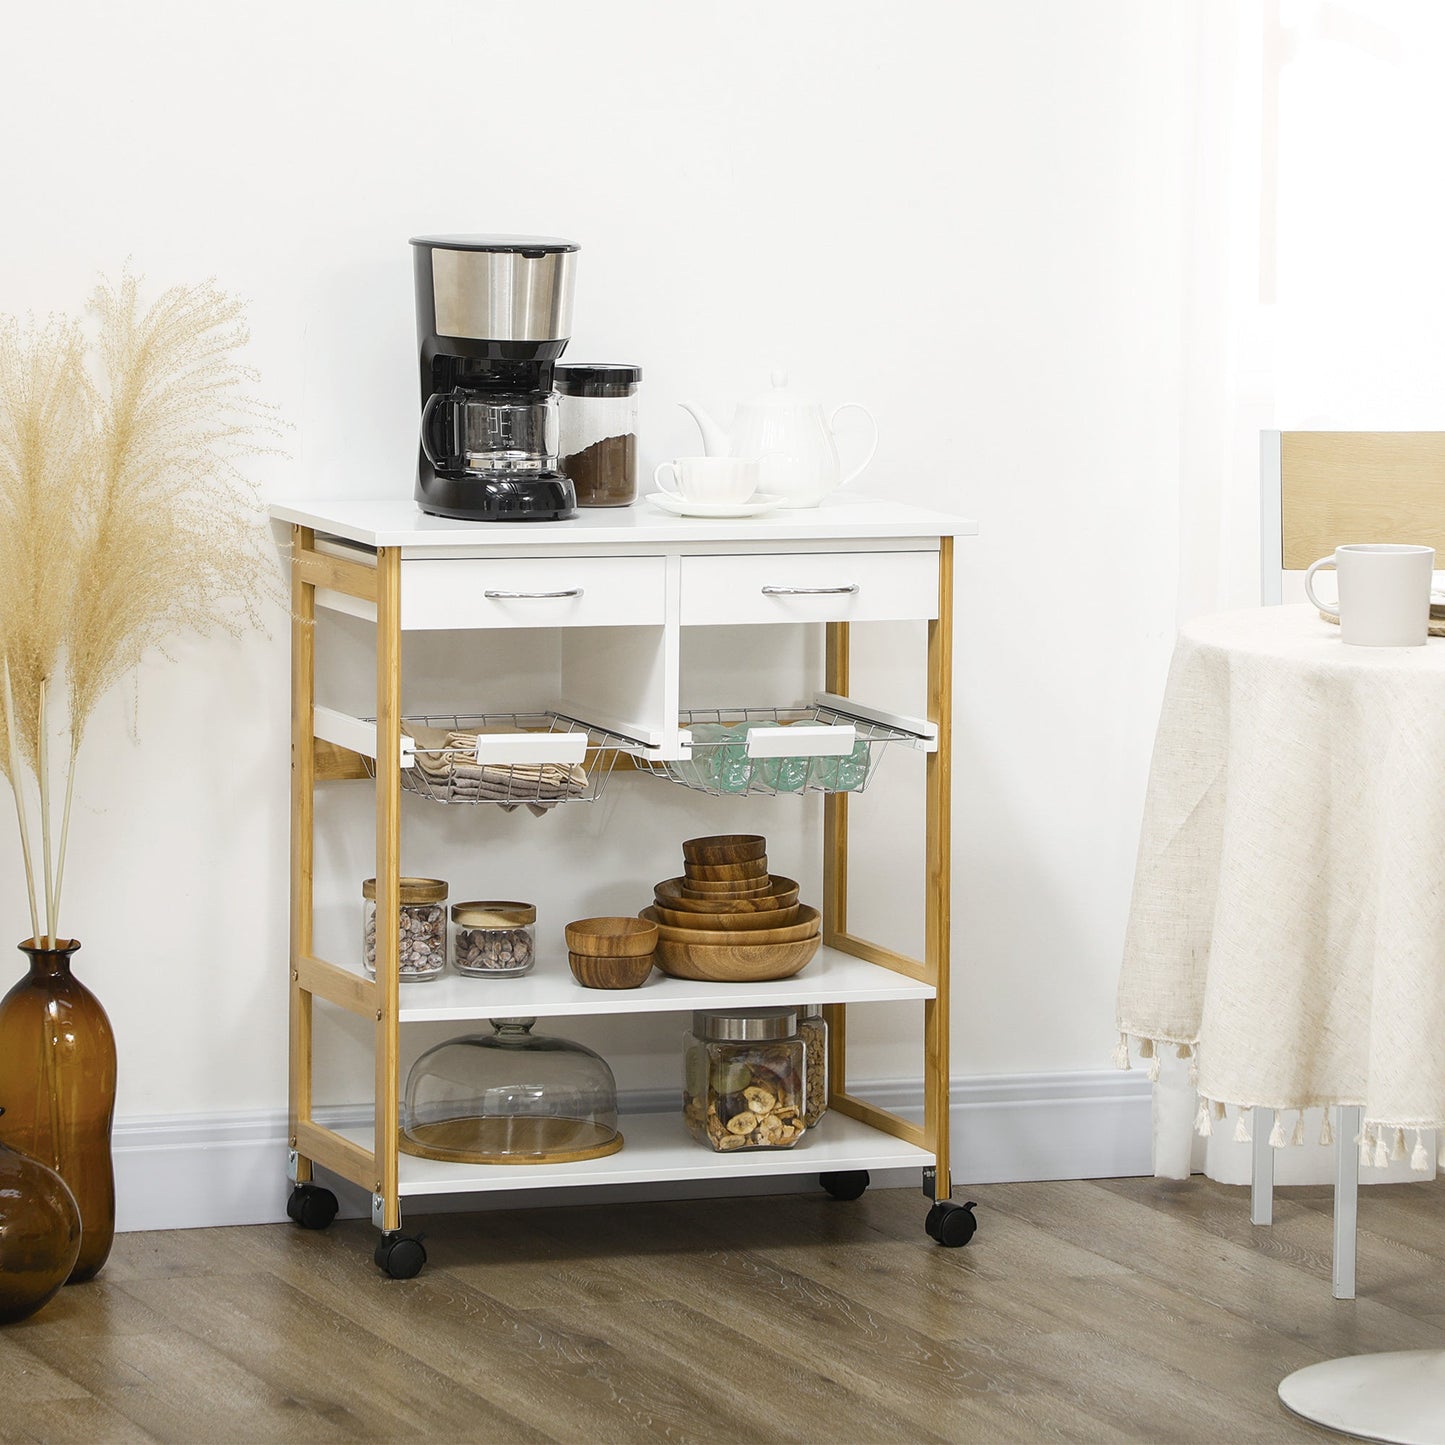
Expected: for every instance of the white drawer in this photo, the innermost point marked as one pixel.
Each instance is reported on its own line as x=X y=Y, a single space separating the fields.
x=533 y=592
x=809 y=587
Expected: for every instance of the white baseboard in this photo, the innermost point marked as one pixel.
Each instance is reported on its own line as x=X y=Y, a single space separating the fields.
x=183 y=1172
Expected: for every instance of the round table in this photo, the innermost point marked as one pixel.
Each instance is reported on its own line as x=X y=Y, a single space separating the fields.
x=1288 y=920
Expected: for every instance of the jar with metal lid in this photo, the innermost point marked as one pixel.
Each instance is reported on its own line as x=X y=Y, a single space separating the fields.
x=813 y=1029
x=744 y=1074
x=495 y=938
x=423 y=928
x=599 y=431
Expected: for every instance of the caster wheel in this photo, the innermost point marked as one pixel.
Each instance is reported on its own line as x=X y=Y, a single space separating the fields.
x=952 y=1225
x=399 y=1255
x=846 y=1183
x=311 y=1206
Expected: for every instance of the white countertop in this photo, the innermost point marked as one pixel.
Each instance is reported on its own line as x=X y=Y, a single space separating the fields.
x=398 y=522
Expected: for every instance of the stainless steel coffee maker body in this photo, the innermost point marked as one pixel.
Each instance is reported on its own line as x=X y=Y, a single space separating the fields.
x=493 y=315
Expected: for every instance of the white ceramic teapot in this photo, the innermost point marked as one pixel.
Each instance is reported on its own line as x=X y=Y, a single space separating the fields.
x=791 y=438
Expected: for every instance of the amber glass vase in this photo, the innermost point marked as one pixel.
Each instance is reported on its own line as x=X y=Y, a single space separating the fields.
x=39 y=1234
x=57 y=1085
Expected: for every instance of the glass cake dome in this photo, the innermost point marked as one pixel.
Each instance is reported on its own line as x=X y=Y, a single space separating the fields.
x=510 y=1097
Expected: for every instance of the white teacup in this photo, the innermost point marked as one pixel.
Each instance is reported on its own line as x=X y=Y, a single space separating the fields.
x=1384 y=591
x=710 y=479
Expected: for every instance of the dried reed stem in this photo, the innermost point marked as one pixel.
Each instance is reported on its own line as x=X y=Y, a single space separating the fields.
x=43 y=772
x=65 y=823
x=18 y=788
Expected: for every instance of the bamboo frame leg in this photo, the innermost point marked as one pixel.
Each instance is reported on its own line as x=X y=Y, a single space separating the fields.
x=835 y=869
x=938 y=786
x=303 y=798
x=388 y=870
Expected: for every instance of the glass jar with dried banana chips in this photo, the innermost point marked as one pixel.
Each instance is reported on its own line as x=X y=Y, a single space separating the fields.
x=744 y=1077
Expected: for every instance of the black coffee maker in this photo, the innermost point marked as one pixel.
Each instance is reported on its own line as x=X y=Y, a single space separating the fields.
x=493 y=314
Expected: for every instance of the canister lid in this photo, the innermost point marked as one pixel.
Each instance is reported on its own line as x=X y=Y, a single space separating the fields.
x=526 y=245
x=494 y=914
x=412 y=890
x=596 y=378
x=752 y=1025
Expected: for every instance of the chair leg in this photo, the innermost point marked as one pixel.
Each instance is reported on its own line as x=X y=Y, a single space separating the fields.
x=1348 y=1122
x=1261 y=1168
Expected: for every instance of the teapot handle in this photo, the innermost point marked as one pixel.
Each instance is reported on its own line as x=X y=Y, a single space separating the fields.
x=872 y=446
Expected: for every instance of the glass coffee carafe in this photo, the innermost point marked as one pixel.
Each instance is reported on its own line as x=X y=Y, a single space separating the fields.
x=491 y=432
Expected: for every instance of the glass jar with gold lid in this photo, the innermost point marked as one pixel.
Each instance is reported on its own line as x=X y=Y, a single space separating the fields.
x=491 y=939
x=423 y=928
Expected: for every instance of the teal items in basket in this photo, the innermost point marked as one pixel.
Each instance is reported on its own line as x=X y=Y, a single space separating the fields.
x=720 y=764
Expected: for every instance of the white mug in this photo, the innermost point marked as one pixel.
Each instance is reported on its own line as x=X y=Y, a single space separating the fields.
x=710 y=479
x=1384 y=590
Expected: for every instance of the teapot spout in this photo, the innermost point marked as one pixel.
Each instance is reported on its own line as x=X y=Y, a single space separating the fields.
x=714 y=438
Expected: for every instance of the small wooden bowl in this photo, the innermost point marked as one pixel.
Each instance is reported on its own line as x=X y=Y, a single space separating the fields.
x=729 y=922
x=726 y=848
x=593 y=972
x=611 y=937
x=715 y=888
x=807 y=925
x=783 y=893
x=726 y=872
x=736 y=963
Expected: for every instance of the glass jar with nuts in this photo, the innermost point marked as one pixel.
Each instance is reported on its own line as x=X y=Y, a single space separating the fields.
x=813 y=1029
x=743 y=1079
x=422 y=953
x=490 y=939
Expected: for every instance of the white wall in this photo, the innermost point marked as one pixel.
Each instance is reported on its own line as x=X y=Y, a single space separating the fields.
x=968 y=214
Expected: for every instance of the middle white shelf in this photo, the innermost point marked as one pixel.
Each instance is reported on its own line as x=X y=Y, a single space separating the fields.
x=550 y=991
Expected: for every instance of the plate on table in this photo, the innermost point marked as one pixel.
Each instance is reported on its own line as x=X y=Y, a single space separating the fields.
x=755 y=505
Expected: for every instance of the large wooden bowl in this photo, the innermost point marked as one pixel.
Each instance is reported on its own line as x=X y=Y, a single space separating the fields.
x=782 y=893
x=707 y=888
x=726 y=848
x=611 y=937
x=735 y=962
x=748 y=872
x=808 y=922
x=731 y=922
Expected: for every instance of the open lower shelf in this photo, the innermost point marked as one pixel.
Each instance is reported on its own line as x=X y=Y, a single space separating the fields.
x=550 y=991
x=658 y=1147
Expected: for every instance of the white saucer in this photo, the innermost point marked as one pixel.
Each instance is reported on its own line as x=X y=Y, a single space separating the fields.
x=757 y=504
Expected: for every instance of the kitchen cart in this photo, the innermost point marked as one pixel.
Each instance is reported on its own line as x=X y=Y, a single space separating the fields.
x=647 y=579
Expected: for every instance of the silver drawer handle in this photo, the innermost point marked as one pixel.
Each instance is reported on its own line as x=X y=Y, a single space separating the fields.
x=808 y=591
x=509 y=596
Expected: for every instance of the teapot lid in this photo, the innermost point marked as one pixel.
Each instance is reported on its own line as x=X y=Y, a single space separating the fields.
x=780 y=394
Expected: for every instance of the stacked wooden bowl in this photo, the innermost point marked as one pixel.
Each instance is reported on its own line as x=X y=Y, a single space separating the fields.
x=727 y=919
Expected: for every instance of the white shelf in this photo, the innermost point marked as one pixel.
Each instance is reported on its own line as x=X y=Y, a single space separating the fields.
x=550 y=991
x=658 y=1147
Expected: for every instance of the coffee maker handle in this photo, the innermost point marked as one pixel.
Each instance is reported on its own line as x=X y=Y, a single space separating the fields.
x=426 y=420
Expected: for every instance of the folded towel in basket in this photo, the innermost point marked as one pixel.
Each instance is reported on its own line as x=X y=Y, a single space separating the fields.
x=447 y=758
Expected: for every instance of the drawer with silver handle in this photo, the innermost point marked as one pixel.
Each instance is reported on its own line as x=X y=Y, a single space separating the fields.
x=809 y=587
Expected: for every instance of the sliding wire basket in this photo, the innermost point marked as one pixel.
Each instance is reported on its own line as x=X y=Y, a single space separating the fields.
x=516 y=759
x=745 y=752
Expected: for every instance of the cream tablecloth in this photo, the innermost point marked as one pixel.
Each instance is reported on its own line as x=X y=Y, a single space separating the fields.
x=1287 y=928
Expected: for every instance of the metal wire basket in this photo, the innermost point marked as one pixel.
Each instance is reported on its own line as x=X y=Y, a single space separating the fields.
x=728 y=758
x=516 y=759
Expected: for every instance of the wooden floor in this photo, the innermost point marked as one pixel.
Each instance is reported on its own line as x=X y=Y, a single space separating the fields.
x=1116 y=1310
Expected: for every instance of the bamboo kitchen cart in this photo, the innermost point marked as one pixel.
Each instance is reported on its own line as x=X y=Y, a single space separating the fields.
x=649 y=580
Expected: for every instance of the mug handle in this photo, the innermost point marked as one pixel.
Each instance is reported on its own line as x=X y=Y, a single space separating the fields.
x=676 y=488
x=1310 y=591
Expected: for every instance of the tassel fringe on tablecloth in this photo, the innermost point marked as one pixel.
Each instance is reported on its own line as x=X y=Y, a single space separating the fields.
x=1380 y=1141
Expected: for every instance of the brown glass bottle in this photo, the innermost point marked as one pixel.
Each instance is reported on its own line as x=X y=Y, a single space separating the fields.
x=57 y=1084
x=39 y=1234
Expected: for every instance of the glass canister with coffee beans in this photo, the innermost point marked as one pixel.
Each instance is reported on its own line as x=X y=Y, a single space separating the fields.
x=744 y=1079
x=493 y=939
x=423 y=928
x=598 y=415
x=813 y=1030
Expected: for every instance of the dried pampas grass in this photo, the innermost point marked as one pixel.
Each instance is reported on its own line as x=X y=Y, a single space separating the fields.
x=125 y=519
